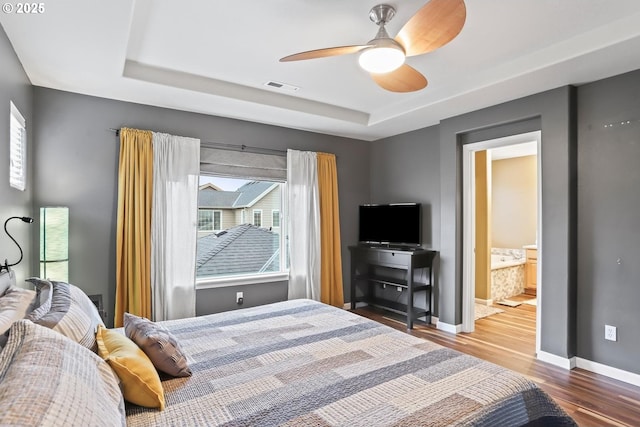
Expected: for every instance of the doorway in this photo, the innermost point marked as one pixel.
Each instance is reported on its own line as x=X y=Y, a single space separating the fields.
x=469 y=220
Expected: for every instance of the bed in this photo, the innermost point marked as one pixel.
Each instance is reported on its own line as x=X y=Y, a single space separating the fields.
x=303 y=363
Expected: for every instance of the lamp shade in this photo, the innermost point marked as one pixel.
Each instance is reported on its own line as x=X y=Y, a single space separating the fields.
x=54 y=243
x=381 y=59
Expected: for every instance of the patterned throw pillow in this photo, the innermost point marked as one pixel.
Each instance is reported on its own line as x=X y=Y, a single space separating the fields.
x=139 y=379
x=157 y=343
x=71 y=312
x=48 y=380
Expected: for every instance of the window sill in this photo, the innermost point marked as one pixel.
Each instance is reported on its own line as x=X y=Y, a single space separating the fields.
x=250 y=279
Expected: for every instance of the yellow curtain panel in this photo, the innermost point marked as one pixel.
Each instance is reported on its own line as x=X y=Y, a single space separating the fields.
x=133 y=238
x=331 y=259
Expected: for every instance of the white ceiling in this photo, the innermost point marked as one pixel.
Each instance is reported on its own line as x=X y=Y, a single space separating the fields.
x=214 y=57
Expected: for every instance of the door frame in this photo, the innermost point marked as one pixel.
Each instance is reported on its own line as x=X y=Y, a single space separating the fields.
x=468 y=236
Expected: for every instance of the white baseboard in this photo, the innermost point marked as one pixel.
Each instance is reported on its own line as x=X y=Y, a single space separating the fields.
x=434 y=320
x=484 y=301
x=561 y=362
x=454 y=329
x=609 y=371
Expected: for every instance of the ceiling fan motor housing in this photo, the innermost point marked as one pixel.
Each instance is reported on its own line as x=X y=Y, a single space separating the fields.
x=381 y=14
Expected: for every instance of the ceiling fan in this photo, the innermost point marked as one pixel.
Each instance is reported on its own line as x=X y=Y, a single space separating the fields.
x=434 y=25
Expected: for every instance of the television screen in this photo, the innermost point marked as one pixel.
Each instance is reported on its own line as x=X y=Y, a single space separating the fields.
x=391 y=224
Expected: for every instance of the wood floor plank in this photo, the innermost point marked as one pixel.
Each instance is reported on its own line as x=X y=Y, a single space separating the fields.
x=508 y=339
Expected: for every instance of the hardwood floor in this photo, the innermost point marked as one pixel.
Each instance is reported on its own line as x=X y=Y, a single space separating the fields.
x=508 y=339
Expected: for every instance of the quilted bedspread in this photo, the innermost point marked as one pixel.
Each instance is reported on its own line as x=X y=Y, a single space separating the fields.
x=302 y=363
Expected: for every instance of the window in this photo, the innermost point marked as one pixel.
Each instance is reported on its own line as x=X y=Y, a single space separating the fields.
x=217 y=220
x=17 y=149
x=257 y=217
x=209 y=220
x=275 y=218
x=244 y=248
x=205 y=220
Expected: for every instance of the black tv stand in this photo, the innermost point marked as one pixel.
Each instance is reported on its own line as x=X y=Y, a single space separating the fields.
x=408 y=270
x=390 y=246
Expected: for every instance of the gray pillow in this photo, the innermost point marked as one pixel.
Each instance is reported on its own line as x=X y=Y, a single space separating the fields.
x=158 y=344
x=15 y=304
x=71 y=313
x=7 y=280
x=47 y=379
x=44 y=290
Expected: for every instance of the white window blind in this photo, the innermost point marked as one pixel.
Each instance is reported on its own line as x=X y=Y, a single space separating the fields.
x=17 y=150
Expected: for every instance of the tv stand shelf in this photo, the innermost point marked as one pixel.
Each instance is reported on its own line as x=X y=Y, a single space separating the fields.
x=390 y=281
x=374 y=269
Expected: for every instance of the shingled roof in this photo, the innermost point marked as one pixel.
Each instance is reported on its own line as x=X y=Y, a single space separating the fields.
x=244 y=196
x=241 y=249
x=210 y=198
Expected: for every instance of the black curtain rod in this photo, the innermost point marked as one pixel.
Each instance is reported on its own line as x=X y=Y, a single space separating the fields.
x=235 y=147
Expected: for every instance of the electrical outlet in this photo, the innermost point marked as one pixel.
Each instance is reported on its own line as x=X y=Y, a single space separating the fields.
x=239 y=298
x=610 y=333
x=399 y=289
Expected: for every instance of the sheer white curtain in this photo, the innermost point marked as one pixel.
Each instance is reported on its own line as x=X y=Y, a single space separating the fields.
x=304 y=225
x=176 y=170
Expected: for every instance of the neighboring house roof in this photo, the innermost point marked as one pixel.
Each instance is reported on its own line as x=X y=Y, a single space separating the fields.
x=209 y=198
x=251 y=192
x=245 y=196
x=211 y=186
x=241 y=249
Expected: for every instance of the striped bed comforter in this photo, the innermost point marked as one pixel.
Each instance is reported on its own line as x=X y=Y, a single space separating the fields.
x=302 y=363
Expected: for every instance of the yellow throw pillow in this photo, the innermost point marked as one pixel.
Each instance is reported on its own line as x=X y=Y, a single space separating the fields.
x=140 y=381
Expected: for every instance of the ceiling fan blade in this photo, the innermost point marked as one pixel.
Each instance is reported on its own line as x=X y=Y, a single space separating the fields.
x=323 y=53
x=404 y=79
x=434 y=25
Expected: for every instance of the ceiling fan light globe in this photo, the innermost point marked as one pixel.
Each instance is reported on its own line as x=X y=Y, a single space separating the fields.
x=380 y=60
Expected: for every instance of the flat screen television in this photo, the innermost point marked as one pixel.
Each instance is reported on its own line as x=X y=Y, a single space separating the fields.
x=396 y=225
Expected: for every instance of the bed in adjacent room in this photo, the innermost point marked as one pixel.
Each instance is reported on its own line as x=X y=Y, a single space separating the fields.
x=300 y=363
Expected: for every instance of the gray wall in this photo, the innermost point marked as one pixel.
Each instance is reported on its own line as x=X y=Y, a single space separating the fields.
x=590 y=202
x=440 y=149
x=609 y=220
x=216 y=300
x=77 y=162
x=406 y=168
x=15 y=86
x=554 y=113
